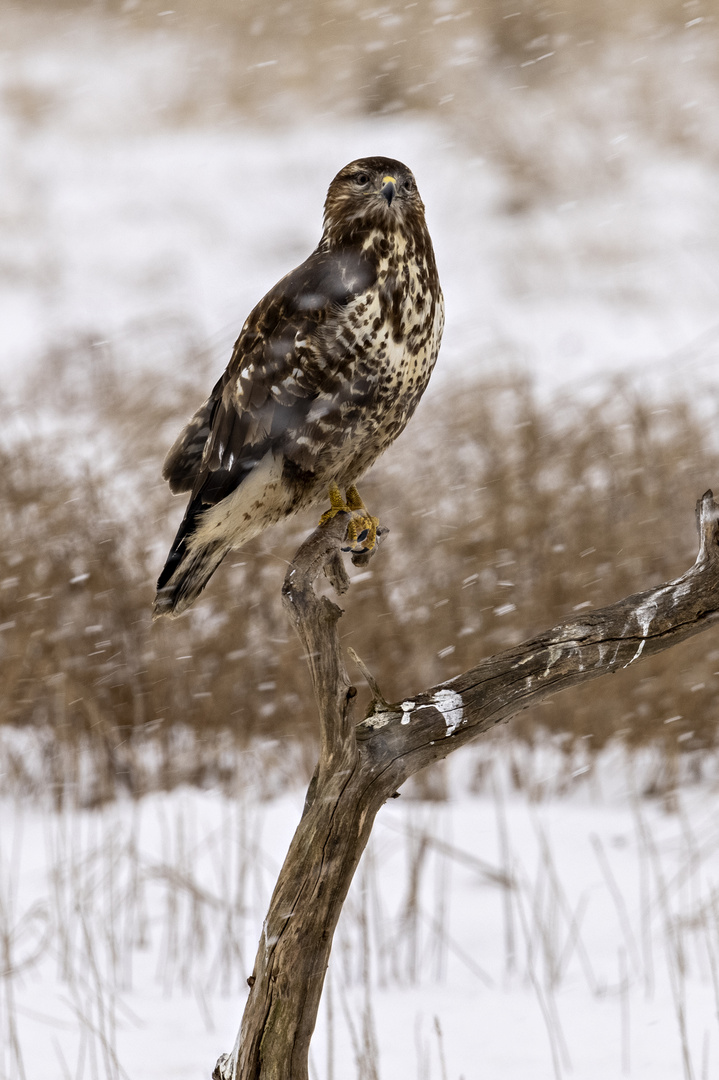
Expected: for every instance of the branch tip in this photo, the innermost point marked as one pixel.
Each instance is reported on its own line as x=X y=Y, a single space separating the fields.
x=362 y=558
x=336 y=574
x=369 y=678
x=707 y=514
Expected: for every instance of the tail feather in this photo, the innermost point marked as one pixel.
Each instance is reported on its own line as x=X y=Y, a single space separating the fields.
x=212 y=527
x=184 y=577
x=188 y=567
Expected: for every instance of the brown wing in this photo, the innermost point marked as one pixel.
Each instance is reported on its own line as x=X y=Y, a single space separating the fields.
x=185 y=455
x=280 y=363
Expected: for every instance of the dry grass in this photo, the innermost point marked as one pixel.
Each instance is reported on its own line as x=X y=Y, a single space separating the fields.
x=506 y=514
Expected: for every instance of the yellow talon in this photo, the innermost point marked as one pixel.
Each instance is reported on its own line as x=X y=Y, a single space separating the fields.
x=337 y=505
x=354 y=499
x=362 y=527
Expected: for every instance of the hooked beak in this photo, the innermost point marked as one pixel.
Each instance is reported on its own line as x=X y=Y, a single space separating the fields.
x=389 y=188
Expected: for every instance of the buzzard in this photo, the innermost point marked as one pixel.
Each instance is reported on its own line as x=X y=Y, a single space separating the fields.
x=325 y=374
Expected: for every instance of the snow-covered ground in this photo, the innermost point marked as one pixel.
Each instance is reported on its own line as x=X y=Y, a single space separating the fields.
x=116 y=222
x=548 y=937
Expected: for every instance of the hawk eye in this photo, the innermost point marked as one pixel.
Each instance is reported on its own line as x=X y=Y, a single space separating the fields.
x=361 y=178
x=408 y=185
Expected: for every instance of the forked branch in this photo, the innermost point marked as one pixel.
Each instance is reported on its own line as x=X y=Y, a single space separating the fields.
x=361 y=766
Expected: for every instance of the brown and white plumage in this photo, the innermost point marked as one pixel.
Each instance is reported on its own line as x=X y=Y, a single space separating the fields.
x=325 y=374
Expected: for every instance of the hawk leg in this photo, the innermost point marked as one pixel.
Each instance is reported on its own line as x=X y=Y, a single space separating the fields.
x=362 y=527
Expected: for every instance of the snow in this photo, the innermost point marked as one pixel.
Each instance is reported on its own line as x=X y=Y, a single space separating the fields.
x=544 y=936
x=118 y=225
x=131 y=230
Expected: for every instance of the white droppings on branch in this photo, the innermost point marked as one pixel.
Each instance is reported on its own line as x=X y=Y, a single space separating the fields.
x=646 y=612
x=644 y=615
x=571 y=645
x=577 y=648
x=637 y=653
x=562 y=644
x=407 y=707
x=450 y=704
x=555 y=654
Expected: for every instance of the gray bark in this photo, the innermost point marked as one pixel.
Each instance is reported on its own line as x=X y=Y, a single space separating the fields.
x=362 y=765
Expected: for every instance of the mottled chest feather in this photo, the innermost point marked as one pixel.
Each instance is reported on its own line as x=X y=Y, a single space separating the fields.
x=381 y=349
x=326 y=372
x=405 y=307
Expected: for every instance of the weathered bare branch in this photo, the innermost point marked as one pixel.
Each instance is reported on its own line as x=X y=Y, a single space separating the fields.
x=361 y=767
x=315 y=620
x=581 y=648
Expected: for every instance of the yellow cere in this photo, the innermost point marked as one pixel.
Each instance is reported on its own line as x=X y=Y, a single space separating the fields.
x=389 y=180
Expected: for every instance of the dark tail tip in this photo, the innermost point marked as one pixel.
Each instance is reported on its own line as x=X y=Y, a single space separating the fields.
x=184 y=577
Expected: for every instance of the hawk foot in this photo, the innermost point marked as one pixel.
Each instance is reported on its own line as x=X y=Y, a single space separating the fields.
x=362 y=527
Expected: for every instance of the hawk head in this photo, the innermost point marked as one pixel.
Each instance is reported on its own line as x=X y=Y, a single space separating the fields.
x=374 y=193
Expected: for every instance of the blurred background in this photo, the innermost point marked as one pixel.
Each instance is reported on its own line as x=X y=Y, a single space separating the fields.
x=163 y=168
x=160 y=169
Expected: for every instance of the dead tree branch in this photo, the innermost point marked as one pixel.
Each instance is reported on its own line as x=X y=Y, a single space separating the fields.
x=361 y=766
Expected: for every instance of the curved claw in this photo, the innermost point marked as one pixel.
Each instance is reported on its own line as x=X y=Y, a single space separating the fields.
x=362 y=533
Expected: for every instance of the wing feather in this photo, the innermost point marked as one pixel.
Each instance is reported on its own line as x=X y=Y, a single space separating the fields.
x=279 y=366
x=185 y=455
